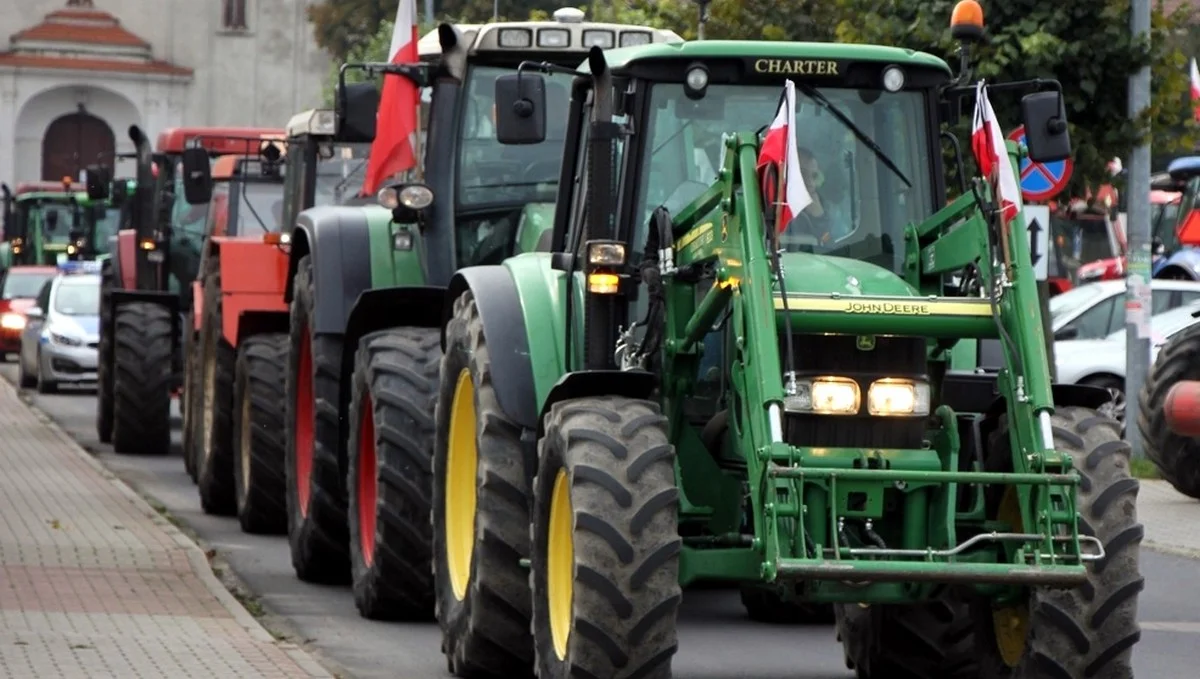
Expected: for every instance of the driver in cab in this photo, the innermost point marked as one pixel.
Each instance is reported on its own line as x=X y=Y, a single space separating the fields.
x=814 y=221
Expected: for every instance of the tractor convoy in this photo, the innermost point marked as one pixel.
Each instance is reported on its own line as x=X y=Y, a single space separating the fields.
x=587 y=354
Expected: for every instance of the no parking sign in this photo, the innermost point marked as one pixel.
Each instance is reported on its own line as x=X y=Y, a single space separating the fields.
x=1041 y=181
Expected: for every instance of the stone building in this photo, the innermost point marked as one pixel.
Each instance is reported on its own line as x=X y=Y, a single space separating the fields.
x=76 y=74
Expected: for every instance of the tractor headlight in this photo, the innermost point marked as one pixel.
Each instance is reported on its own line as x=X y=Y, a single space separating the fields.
x=825 y=396
x=898 y=397
x=605 y=253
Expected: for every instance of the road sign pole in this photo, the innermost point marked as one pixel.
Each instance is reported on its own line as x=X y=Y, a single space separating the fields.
x=1137 y=269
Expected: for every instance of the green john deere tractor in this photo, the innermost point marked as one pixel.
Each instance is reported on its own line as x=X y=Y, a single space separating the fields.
x=43 y=217
x=367 y=290
x=686 y=386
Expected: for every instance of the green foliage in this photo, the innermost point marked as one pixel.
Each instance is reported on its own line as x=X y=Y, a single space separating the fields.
x=343 y=26
x=1085 y=44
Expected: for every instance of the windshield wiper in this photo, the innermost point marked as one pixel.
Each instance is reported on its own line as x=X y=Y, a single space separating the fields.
x=246 y=202
x=816 y=96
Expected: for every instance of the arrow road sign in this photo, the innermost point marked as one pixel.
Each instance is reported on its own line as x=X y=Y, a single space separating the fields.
x=1037 y=222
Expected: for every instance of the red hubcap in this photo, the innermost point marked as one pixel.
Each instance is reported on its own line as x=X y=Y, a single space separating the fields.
x=304 y=423
x=368 y=489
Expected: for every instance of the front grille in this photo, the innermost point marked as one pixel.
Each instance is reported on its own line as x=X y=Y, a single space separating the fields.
x=841 y=355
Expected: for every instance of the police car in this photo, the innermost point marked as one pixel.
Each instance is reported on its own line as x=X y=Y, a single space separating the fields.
x=60 y=341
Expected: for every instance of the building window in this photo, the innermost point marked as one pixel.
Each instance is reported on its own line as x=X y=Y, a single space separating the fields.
x=233 y=15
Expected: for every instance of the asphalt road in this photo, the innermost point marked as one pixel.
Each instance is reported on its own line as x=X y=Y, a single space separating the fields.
x=716 y=639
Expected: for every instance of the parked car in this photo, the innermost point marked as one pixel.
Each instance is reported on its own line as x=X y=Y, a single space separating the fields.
x=1101 y=362
x=1096 y=310
x=19 y=286
x=60 y=342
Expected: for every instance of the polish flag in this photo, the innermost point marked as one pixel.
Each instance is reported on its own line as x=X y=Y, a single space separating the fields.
x=779 y=149
x=1195 y=77
x=392 y=151
x=987 y=142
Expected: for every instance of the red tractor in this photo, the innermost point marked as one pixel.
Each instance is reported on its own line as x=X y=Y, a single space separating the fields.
x=145 y=287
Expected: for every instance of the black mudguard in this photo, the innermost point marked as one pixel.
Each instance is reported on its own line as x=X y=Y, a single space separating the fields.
x=382 y=308
x=339 y=242
x=500 y=311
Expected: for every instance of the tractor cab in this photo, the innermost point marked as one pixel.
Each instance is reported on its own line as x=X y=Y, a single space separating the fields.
x=248 y=193
x=325 y=166
x=479 y=196
x=42 y=217
x=1165 y=196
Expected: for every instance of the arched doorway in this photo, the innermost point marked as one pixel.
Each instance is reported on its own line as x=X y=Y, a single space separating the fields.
x=73 y=142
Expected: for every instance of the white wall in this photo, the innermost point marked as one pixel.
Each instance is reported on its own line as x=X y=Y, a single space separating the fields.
x=256 y=78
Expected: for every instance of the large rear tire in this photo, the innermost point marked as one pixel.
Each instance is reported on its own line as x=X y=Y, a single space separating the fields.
x=316 y=485
x=143 y=342
x=1177 y=457
x=214 y=464
x=481 y=525
x=1090 y=630
x=606 y=542
x=389 y=482
x=191 y=399
x=258 y=434
x=104 y=377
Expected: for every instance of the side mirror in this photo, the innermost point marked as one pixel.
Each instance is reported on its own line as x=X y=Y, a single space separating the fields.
x=357 y=104
x=520 y=109
x=98 y=181
x=406 y=201
x=197 y=176
x=1068 y=333
x=34 y=313
x=1045 y=119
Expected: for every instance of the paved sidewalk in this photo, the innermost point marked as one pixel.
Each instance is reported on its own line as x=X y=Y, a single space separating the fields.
x=1172 y=519
x=95 y=584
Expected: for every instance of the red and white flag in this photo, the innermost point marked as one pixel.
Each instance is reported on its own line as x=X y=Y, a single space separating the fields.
x=393 y=150
x=1195 y=78
x=987 y=142
x=779 y=148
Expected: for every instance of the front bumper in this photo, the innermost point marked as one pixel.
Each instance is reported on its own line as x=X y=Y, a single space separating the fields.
x=61 y=363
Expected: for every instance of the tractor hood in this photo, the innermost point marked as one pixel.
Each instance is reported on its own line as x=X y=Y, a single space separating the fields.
x=825 y=274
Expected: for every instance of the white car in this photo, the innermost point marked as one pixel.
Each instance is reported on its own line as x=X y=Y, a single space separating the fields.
x=1096 y=310
x=1101 y=362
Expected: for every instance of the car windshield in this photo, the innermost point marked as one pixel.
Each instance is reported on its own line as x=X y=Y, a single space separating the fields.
x=862 y=196
x=340 y=178
x=60 y=233
x=1076 y=299
x=491 y=173
x=78 y=297
x=24 y=284
x=260 y=207
x=1164 y=325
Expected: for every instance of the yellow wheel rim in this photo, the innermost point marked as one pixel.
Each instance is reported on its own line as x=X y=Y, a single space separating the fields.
x=1011 y=624
x=560 y=564
x=462 y=462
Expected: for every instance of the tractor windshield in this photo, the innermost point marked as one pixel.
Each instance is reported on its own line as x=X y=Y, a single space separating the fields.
x=260 y=206
x=490 y=173
x=107 y=219
x=864 y=156
x=340 y=177
x=57 y=230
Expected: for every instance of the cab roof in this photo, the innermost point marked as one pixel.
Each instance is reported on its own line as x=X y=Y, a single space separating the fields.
x=623 y=57
x=47 y=187
x=217 y=140
x=529 y=37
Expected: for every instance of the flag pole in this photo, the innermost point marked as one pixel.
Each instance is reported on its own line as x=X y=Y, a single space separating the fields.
x=418 y=158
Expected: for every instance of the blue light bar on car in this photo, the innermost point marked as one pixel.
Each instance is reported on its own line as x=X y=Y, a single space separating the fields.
x=76 y=267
